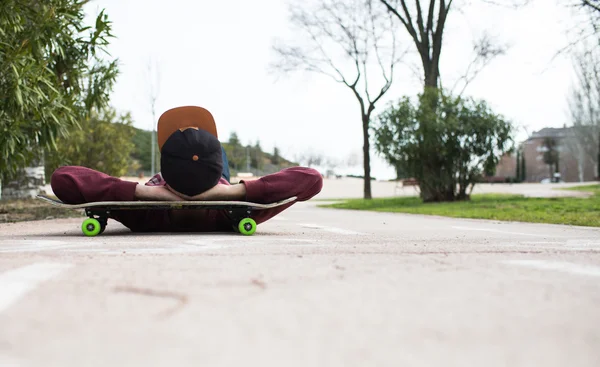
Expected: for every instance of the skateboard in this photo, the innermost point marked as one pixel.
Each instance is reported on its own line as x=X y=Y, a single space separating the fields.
x=98 y=212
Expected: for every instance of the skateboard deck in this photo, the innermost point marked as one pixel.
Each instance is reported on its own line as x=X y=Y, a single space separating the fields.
x=98 y=212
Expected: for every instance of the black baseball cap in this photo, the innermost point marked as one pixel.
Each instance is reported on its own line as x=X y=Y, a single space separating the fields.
x=190 y=151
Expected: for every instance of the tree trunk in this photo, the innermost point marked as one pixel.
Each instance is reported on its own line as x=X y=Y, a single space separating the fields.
x=366 y=157
x=27 y=183
x=598 y=160
x=518 y=173
x=580 y=162
x=523 y=168
x=431 y=75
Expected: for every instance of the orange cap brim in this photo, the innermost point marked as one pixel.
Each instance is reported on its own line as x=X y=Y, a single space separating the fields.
x=181 y=118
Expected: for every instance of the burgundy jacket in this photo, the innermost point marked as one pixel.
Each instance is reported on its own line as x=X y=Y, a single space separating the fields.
x=77 y=185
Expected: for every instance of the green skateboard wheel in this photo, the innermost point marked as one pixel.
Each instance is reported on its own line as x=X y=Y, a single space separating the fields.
x=91 y=227
x=247 y=226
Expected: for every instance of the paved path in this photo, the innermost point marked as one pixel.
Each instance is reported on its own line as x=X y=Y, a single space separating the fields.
x=316 y=287
x=349 y=187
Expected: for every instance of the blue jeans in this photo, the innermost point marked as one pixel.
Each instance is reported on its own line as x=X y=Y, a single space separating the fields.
x=225 y=173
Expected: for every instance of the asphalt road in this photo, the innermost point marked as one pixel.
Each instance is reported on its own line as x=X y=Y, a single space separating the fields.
x=314 y=287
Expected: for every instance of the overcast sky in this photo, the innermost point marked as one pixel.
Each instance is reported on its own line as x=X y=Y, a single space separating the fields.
x=216 y=54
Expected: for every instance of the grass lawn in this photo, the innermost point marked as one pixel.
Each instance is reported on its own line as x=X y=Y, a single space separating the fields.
x=573 y=211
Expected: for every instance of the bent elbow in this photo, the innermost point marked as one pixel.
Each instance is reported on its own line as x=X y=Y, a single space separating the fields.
x=64 y=187
x=314 y=184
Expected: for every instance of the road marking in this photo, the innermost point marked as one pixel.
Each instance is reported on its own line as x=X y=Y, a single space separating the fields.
x=505 y=232
x=557 y=265
x=14 y=284
x=569 y=245
x=331 y=229
x=584 y=243
x=197 y=245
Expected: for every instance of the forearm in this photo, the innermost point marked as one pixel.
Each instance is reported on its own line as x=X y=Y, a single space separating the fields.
x=155 y=193
x=231 y=192
x=220 y=192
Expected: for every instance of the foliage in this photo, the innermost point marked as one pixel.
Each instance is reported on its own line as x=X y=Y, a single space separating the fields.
x=236 y=153
x=551 y=155
x=142 y=152
x=564 y=210
x=256 y=156
x=51 y=75
x=523 y=168
x=444 y=142
x=518 y=173
x=259 y=162
x=276 y=158
x=104 y=143
x=521 y=173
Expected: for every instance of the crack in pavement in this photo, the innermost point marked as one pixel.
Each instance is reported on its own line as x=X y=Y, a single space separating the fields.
x=182 y=298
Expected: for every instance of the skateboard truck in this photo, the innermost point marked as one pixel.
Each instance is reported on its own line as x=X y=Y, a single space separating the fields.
x=246 y=225
x=96 y=222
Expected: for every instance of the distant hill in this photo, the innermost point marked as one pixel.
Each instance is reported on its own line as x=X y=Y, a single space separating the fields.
x=241 y=157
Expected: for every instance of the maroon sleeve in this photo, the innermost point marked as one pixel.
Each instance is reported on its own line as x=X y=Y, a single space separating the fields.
x=78 y=185
x=296 y=181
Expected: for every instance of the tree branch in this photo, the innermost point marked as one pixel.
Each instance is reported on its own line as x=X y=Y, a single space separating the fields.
x=596 y=7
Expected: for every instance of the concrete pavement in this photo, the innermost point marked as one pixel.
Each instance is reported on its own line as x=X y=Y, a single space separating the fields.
x=315 y=287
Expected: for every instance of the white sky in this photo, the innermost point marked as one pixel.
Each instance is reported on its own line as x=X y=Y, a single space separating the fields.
x=215 y=54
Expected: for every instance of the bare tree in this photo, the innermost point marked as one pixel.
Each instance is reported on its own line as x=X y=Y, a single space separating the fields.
x=584 y=105
x=592 y=5
x=309 y=158
x=425 y=21
x=426 y=31
x=586 y=23
x=485 y=50
x=348 y=41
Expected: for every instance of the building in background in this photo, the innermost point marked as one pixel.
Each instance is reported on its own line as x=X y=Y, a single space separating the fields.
x=573 y=166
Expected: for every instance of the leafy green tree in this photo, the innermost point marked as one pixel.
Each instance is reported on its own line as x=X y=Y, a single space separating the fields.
x=236 y=152
x=104 y=143
x=523 y=170
x=551 y=155
x=257 y=157
x=52 y=75
x=445 y=142
x=142 y=150
x=276 y=158
x=234 y=140
x=518 y=173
